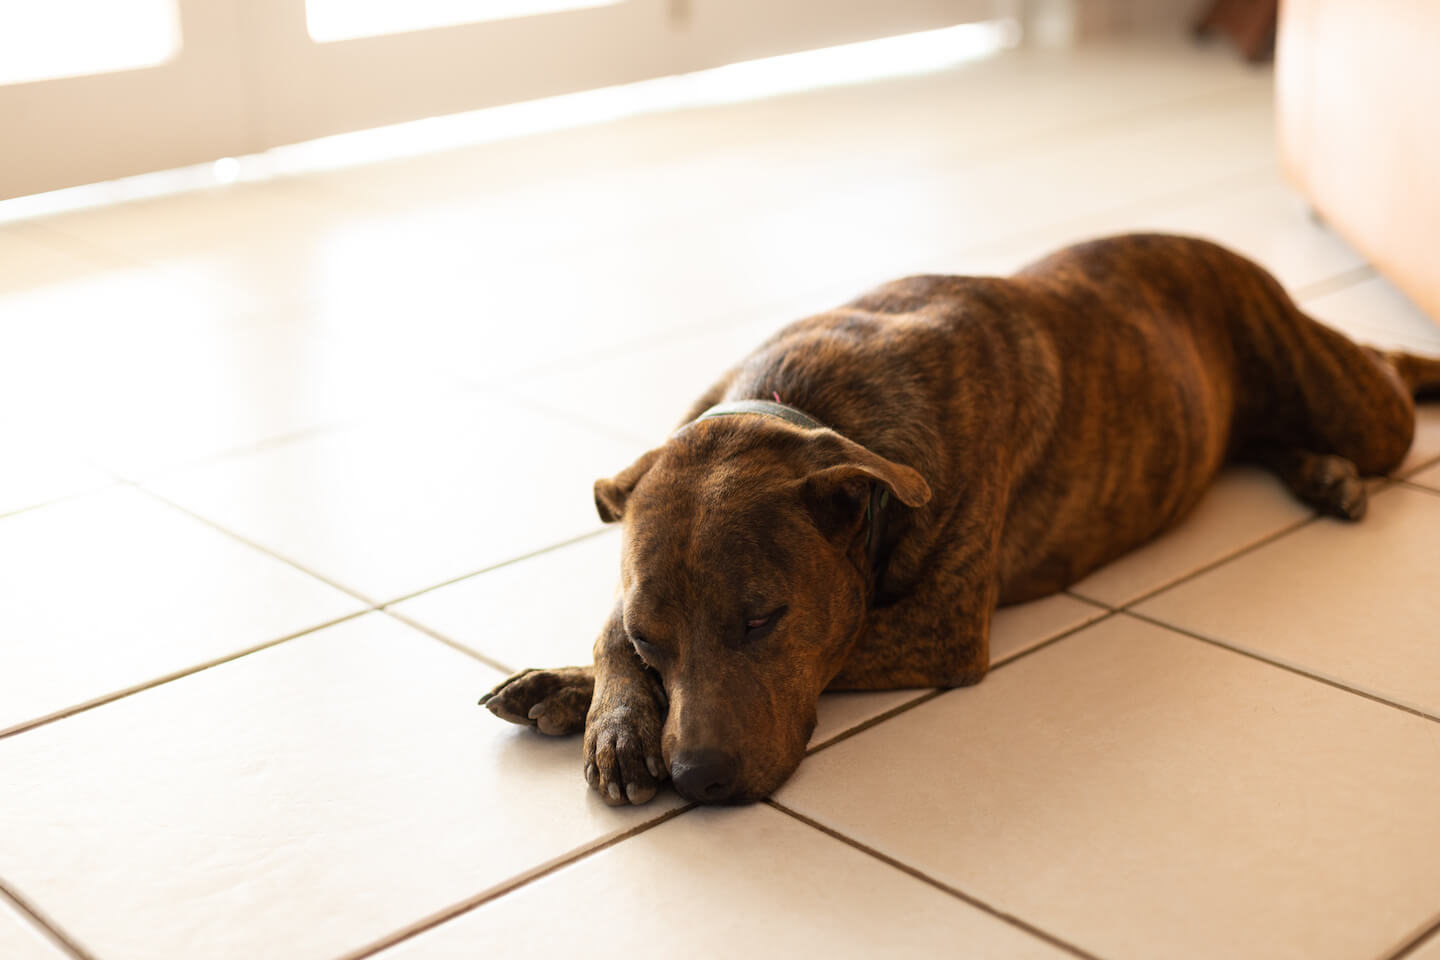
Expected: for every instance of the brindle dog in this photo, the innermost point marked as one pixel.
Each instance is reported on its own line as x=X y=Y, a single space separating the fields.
x=986 y=441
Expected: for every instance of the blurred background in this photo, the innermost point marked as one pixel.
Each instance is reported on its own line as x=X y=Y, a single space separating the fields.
x=108 y=89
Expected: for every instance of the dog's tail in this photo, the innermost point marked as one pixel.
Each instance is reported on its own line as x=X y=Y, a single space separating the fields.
x=1420 y=374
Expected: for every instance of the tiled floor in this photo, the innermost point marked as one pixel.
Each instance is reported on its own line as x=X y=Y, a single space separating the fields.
x=294 y=471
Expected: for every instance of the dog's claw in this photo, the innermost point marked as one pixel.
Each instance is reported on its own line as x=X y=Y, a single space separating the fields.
x=622 y=748
x=552 y=701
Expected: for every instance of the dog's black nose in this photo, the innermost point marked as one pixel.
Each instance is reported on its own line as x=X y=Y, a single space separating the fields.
x=704 y=775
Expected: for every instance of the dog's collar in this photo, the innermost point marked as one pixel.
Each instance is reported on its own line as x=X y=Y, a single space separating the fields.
x=879 y=493
x=764 y=408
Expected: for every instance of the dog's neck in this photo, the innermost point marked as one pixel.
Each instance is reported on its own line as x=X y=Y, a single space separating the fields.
x=875 y=507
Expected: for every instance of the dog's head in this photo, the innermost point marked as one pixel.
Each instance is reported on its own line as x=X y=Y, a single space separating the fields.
x=744 y=587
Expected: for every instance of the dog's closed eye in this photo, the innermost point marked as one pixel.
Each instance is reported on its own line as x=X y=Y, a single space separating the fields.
x=756 y=627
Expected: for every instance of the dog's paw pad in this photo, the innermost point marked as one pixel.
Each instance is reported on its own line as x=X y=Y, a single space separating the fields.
x=622 y=756
x=552 y=701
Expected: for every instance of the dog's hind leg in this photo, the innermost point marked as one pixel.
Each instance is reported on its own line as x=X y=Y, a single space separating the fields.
x=1420 y=374
x=1326 y=482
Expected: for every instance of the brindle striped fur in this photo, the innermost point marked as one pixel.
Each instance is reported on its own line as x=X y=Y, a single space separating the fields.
x=1030 y=428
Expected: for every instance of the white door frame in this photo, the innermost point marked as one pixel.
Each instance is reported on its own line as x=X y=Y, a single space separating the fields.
x=248 y=77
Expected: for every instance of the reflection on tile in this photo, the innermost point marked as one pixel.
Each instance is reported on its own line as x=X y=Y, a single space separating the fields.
x=327 y=791
x=1357 y=603
x=736 y=883
x=147 y=393
x=1245 y=506
x=543 y=611
x=38 y=470
x=27 y=261
x=1142 y=794
x=408 y=502
x=111 y=590
x=20 y=939
x=646 y=391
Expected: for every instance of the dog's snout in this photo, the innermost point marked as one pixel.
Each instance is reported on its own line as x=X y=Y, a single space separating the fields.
x=705 y=775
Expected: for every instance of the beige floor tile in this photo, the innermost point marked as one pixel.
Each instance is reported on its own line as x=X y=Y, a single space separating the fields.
x=736 y=883
x=1373 y=312
x=1014 y=630
x=543 y=611
x=1357 y=603
x=247 y=246
x=1142 y=794
x=28 y=262
x=22 y=940
x=1428 y=478
x=161 y=393
x=1428 y=950
x=299 y=802
x=1245 y=506
x=38 y=470
x=1023 y=106
x=114 y=589
x=1263 y=219
x=646 y=391
x=1426 y=446
x=408 y=502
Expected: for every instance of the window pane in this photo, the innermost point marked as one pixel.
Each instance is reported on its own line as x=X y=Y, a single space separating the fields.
x=45 y=39
x=330 y=20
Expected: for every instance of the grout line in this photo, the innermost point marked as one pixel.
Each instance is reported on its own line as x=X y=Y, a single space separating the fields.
x=1298 y=671
x=929 y=695
x=1421 y=488
x=1428 y=934
x=47 y=926
x=1051 y=641
x=114 y=484
x=1333 y=284
x=1420 y=467
x=508 y=887
x=908 y=705
x=453 y=644
x=371 y=604
x=101 y=701
x=590 y=535
x=1249 y=548
x=973 y=901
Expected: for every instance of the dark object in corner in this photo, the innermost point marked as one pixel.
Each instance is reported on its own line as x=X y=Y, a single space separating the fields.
x=1249 y=24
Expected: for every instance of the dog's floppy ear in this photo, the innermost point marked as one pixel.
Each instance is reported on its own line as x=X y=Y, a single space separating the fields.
x=612 y=494
x=837 y=490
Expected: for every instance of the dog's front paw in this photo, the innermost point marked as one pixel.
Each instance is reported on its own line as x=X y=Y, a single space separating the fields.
x=623 y=761
x=554 y=702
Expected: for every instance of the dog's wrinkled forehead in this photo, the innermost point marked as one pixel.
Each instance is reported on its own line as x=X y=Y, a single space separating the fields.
x=718 y=512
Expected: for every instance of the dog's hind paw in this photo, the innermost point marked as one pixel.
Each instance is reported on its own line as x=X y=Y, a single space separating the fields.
x=552 y=701
x=1335 y=488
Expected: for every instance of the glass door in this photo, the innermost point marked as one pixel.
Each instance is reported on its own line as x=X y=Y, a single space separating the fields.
x=98 y=89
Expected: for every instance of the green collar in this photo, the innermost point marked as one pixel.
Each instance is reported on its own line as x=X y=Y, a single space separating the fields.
x=764 y=408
